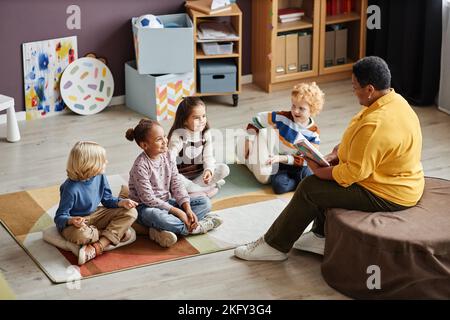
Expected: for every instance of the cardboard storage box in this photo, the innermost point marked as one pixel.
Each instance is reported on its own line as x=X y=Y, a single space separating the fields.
x=217 y=75
x=156 y=96
x=166 y=50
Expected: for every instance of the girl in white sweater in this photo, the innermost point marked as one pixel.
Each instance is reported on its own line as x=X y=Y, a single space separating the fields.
x=191 y=142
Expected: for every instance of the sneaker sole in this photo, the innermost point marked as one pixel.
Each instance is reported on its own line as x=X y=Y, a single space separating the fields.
x=315 y=250
x=81 y=256
x=236 y=253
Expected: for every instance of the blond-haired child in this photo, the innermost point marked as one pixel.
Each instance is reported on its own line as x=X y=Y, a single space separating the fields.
x=271 y=156
x=79 y=217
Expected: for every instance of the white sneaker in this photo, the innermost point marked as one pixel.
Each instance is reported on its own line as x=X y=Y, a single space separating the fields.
x=311 y=243
x=86 y=253
x=162 y=237
x=128 y=237
x=215 y=218
x=259 y=250
x=203 y=226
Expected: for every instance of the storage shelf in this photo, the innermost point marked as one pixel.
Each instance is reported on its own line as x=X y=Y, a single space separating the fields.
x=305 y=23
x=341 y=18
x=234 y=16
x=268 y=54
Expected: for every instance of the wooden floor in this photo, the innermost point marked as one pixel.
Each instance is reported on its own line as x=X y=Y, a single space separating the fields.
x=39 y=160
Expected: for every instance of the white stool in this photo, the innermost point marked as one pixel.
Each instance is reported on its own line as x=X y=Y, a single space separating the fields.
x=12 y=133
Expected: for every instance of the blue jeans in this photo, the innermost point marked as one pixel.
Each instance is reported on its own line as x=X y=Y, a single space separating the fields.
x=288 y=177
x=163 y=220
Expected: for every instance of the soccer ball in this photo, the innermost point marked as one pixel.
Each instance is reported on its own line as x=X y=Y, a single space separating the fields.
x=149 y=21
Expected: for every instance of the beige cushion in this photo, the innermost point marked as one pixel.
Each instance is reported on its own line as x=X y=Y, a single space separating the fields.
x=52 y=235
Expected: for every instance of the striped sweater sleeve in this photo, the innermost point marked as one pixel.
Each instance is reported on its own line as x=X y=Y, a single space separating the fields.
x=260 y=121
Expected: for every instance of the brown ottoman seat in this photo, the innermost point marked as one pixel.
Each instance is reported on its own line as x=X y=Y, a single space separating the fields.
x=410 y=247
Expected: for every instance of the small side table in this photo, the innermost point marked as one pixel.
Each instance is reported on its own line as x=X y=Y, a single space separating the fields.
x=12 y=133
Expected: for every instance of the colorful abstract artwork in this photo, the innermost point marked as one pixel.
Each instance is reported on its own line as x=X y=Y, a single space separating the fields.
x=87 y=86
x=43 y=65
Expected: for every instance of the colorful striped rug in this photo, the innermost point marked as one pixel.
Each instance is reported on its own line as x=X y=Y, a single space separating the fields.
x=247 y=208
x=5 y=291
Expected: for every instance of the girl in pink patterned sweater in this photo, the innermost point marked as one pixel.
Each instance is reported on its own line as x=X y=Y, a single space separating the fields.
x=164 y=204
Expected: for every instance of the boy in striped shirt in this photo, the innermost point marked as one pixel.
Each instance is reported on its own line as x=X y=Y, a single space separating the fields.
x=271 y=155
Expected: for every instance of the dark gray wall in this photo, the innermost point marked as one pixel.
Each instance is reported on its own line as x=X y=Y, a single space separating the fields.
x=105 y=30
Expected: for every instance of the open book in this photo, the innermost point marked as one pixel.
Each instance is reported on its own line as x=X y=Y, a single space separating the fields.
x=307 y=150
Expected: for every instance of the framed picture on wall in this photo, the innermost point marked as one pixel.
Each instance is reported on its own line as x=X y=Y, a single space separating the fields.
x=43 y=65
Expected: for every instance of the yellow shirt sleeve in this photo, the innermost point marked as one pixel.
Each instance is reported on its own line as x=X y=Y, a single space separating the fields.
x=363 y=156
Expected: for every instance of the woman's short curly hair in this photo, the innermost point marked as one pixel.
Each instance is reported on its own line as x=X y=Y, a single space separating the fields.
x=311 y=93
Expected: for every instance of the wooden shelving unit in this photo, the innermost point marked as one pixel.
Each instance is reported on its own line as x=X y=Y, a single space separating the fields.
x=266 y=28
x=235 y=17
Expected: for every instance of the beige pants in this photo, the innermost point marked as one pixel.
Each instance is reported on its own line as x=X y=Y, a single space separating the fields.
x=261 y=148
x=111 y=223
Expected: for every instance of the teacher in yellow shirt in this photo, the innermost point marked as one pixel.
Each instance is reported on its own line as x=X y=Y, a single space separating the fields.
x=376 y=167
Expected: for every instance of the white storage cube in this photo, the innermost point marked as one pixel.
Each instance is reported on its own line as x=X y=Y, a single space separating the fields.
x=166 y=50
x=156 y=96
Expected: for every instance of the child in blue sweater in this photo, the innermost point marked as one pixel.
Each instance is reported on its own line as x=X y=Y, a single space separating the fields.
x=79 y=217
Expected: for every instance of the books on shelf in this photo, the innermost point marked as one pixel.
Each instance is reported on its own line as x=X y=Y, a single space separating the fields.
x=209 y=6
x=289 y=20
x=290 y=14
x=307 y=150
x=335 y=7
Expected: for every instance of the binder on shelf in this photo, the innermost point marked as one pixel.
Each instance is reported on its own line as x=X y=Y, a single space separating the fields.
x=304 y=51
x=280 y=55
x=340 y=54
x=330 y=40
x=291 y=53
